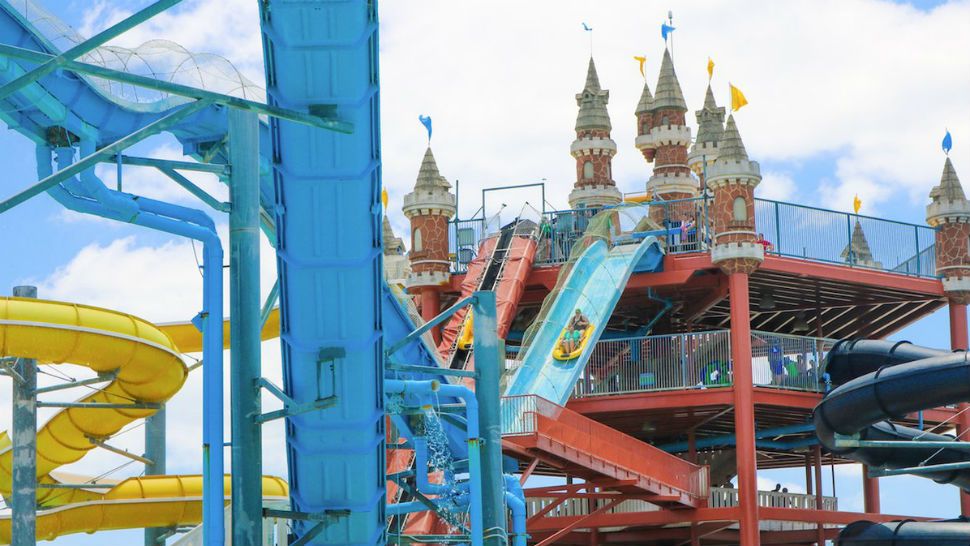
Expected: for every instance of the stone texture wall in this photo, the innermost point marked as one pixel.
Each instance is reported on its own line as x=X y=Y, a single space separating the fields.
x=644 y=124
x=434 y=242
x=739 y=265
x=602 y=162
x=953 y=249
x=722 y=213
x=673 y=117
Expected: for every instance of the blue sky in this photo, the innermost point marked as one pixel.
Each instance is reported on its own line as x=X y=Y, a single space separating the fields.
x=845 y=98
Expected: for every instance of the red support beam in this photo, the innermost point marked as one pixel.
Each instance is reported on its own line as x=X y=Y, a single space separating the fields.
x=870 y=491
x=430 y=308
x=853 y=275
x=817 y=455
x=744 y=409
x=565 y=530
x=958 y=341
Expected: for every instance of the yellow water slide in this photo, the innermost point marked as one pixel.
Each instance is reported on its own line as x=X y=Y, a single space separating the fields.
x=146 y=367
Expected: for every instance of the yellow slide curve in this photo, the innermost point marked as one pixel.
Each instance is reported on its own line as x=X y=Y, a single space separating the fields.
x=147 y=368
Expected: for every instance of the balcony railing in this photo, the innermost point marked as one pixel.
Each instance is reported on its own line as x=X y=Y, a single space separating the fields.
x=700 y=360
x=789 y=229
x=720 y=497
x=838 y=237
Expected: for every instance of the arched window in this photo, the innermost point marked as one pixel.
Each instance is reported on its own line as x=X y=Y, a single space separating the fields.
x=740 y=209
x=646 y=129
x=416 y=244
x=588 y=170
x=665 y=120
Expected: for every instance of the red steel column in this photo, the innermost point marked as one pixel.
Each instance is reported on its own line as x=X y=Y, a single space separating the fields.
x=870 y=490
x=817 y=454
x=744 y=408
x=958 y=340
x=430 y=307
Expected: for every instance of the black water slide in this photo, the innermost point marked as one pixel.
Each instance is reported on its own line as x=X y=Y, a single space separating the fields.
x=883 y=380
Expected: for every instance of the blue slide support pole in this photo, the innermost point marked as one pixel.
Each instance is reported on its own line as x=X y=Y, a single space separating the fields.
x=100 y=201
x=23 y=502
x=488 y=363
x=245 y=325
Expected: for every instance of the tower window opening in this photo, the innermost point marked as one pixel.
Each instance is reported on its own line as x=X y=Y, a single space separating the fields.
x=740 y=210
x=588 y=170
x=416 y=242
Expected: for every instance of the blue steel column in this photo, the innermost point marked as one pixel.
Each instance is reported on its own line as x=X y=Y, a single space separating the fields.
x=155 y=451
x=488 y=364
x=23 y=528
x=322 y=56
x=245 y=322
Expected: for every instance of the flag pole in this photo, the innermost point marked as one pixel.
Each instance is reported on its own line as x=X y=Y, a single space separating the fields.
x=670 y=18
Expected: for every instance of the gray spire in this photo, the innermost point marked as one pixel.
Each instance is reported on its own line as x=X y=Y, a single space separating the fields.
x=710 y=120
x=950 y=188
x=428 y=175
x=393 y=245
x=592 y=102
x=646 y=100
x=858 y=251
x=730 y=145
x=668 y=93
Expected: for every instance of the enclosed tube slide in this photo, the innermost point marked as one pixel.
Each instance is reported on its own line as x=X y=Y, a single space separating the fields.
x=897 y=379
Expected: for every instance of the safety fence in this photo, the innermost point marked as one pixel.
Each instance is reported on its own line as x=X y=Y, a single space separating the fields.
x=700 y=360
x=720 y=497
x=787 y=229
x=811 y=233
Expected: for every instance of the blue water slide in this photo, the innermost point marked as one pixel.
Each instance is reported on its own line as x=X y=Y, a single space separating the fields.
x=322 y=57
x=594 y=285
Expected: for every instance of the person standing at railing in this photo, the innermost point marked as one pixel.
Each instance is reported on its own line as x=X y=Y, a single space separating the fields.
x=776 y=362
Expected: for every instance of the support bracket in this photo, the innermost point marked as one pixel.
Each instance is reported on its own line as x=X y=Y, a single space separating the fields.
x=292 y=407
x=118 y=451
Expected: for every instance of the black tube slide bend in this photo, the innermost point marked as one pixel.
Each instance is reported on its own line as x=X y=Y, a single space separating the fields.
x=884 y=380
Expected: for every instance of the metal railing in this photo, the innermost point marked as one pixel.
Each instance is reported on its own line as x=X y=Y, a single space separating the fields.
x=827 y=236
x=689 y=218
x=701 y=360
x=788 y=362
x=720 y=497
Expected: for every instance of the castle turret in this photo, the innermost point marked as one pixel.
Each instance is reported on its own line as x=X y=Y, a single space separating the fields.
x=396 y=267
x=710 y=128
x=733 y=178
x=644 y=114
x=949 y=213
x=593 y=147
x=429 y=207
x=669 y=137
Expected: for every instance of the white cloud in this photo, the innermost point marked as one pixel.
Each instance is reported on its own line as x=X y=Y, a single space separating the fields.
x=777 y=186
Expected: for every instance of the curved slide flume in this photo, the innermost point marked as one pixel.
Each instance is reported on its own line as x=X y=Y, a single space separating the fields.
x=594 y=285
x=146 y=368
x=884 y=381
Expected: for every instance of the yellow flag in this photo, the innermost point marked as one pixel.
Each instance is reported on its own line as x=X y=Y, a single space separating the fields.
x=856 y=203
x=384 y=197
x=640 y=60
x=710 y=68
x=737 y=98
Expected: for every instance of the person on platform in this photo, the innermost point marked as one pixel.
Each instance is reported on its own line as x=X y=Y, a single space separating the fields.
x=574 y=331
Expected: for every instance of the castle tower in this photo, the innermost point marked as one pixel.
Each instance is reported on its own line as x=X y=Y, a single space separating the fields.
x=644 y=114
x=593 y=147
x=669 y=138
x=396 y=267
x=733 y=178
x=710 y=128
x=429 y=207
x=858 y=252
x=949 y=212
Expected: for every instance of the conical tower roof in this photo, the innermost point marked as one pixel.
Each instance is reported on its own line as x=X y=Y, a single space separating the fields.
x=950 y=188
x=730 y=145
x=393 y=245
x=858 y=246
x=428 y=175
x=668 y=94
x=710 y=120
x=646 y=100
x=592 y=101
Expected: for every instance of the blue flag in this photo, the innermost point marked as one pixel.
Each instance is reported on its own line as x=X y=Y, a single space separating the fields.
x=666 y=29
x=947 y=143
x=426 y=121
x=587 y=28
